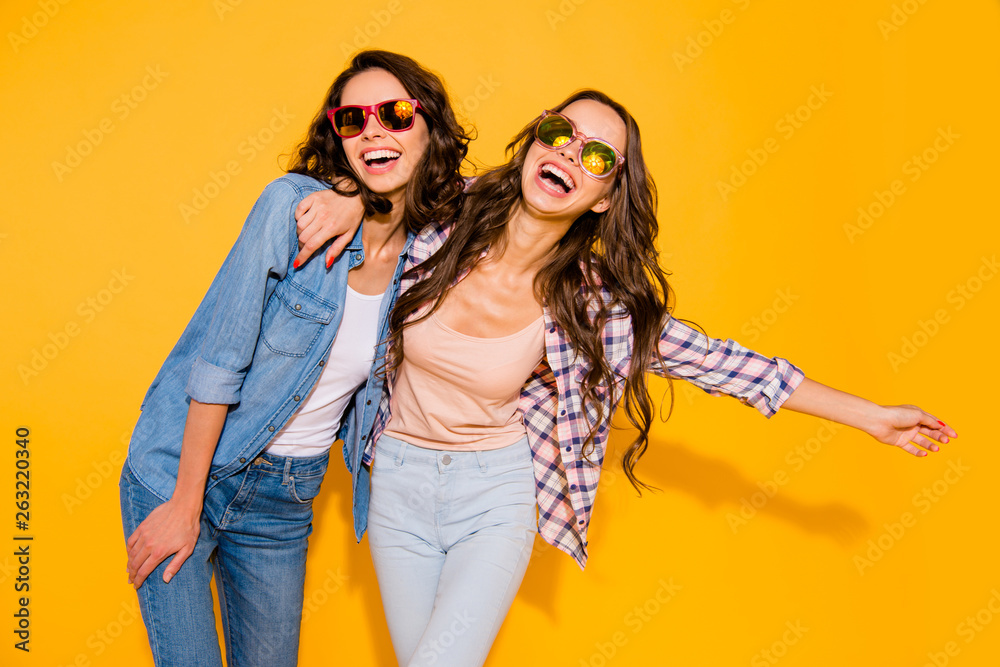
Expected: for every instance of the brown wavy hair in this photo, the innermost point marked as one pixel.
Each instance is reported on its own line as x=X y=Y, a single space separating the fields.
x=604 y=263
x=434 y=193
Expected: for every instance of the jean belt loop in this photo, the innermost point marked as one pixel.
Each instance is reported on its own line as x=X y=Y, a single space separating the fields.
x=481 y=458
x=400 y=453
x=287 y=473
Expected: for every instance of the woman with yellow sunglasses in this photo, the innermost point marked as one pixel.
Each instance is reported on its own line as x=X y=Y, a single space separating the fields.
x=522 y=324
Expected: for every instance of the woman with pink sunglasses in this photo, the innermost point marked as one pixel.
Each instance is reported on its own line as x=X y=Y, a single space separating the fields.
x=277 y=364
x=520 y=327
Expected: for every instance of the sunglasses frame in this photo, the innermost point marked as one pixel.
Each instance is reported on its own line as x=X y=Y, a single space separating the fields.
x=584 y=140
x=372 y=110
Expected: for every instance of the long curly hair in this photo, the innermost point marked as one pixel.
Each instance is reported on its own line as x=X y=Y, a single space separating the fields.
x=611 y=253
x=435 y=191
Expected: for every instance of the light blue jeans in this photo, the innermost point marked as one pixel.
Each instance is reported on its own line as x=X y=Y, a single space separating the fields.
x=450 y=535
x=254 y=530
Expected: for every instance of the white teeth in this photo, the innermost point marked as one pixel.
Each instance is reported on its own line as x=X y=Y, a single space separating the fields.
x=560 y=174
x=381 y=153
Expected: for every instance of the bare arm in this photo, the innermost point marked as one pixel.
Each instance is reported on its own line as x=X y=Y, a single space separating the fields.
x=904 y=426
x=173 y=527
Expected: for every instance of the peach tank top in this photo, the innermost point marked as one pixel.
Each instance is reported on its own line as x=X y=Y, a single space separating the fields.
x=460 y=392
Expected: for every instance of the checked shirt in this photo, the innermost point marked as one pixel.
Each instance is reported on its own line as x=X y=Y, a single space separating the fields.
x=557 y=424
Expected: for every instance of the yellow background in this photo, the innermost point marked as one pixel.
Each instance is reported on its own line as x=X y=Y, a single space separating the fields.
x=161 y=97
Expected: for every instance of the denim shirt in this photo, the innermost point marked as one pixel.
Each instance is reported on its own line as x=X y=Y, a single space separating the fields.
x=258 y=342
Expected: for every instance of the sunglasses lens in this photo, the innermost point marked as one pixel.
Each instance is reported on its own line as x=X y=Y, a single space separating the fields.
x=349 y=121
x=598 y=158
x=554 y=131
x=396 y=115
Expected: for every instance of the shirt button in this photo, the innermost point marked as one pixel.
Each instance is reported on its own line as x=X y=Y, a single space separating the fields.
x=322 y=363
x=552 y=330
x=242 y=460
x=363 y=438
x=569 y=449
x=572 y=487
x=358 y=257
x=368 y=402
x=298 y=306
x=295 y=398
x=215 y=477
x=446 y=459
x=271 y=429
x=581 y=522
x=562 y=412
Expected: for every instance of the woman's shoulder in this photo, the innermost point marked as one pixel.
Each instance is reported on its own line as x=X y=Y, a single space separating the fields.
x=295 y=184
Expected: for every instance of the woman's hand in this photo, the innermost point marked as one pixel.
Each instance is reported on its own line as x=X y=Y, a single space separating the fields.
x=322 y=216
x=169 y=529
x=910 y=428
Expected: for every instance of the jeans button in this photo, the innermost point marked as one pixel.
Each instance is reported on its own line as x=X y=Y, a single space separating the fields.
x=446 y=459
x=259 y=461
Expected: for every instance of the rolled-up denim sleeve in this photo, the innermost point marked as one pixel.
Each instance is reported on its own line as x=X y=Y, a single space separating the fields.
x=257 y=261
x=724 y=367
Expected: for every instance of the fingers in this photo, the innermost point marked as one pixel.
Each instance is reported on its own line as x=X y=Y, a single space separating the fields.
x=336 y=248
x=925 y=442
x=913 y=449
x=175 y=564
x=304 y=206
x=310 y=240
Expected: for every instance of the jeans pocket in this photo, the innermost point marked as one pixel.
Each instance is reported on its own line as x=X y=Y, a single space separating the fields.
x=304 y=488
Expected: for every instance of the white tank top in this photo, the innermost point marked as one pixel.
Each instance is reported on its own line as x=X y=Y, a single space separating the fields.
x=312 y=430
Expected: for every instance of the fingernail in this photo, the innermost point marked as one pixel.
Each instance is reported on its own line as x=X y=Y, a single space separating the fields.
x=941 y=422
x=329 y=263
x=166 y=578
x=295 y=264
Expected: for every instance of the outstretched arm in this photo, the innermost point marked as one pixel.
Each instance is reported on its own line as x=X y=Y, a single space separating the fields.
x=904 y=426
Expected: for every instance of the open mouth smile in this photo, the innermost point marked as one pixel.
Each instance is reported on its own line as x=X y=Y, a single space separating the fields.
x=555 y=180
x=380 y=160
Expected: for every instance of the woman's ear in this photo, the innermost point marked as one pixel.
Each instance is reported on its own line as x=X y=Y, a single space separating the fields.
x=602 y=206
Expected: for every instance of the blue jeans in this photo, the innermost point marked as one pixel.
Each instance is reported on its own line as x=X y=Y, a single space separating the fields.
x=450 y=535
x=254 y=530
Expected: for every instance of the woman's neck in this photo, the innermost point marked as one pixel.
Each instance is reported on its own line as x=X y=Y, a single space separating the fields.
x=529 y=241
x=384 y=233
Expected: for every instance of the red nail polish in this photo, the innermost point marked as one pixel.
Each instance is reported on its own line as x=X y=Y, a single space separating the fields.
x=941 y=422
x=329 y=263
x=295 y=264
